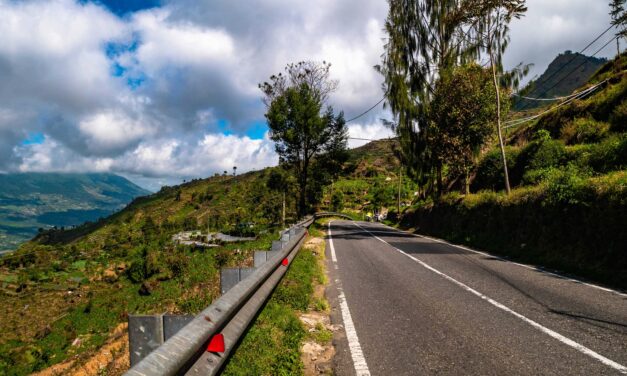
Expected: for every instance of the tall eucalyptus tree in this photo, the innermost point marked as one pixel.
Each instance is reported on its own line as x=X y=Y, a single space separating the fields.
x=490 y=20
x=426 y=39
x=619 y=19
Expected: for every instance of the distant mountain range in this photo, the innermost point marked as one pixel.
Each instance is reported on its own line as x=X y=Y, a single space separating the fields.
x=29 y=201
x=569 y=71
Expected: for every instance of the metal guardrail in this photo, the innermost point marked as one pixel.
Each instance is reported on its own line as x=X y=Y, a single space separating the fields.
x=186 y=353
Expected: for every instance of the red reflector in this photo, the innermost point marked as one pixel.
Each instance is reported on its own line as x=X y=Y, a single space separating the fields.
x=216 y=344
x=284 y=262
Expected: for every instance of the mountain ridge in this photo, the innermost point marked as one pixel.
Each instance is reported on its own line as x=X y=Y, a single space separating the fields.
x=566 y=73
x=33 y=200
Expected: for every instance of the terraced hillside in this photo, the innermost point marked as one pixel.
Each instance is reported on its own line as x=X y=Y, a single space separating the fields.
x=66 y=292
x=568 y=208
x=30 y=201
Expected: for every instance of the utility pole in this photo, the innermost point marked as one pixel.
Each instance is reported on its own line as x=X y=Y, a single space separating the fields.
x=400 y=178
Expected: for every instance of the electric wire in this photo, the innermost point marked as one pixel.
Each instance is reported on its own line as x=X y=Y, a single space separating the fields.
x=365 y=112
x=570 y=61
x=516 y=122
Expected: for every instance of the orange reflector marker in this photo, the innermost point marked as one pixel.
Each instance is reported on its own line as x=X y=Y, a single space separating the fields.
x=284 y=262
x=216 y=344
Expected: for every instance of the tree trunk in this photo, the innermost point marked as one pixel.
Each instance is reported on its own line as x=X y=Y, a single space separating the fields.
x=283 y=216
x=498 y=120
x=467 y=181
x=439 y=180
x=302 y=199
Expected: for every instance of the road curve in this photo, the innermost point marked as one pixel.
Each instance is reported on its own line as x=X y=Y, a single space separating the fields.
x=414 y=306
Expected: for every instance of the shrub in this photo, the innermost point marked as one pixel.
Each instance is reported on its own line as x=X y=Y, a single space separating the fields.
x=618 y=119
x=541 y=153
x=136 y=272
x=609 y=155
x=337 y=201
x=533 y=177
x=568 y=185
x=489 y=173
x=603 y=104
x=584 y=130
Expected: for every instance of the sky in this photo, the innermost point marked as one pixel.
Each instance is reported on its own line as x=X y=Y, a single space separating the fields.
x=165 y=90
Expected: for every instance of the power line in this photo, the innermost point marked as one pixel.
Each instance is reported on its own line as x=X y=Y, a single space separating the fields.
x=516 y=122
x=580 y=65
x=362 y=139
x=571 y=60
x=365 y=112
x=546 y=99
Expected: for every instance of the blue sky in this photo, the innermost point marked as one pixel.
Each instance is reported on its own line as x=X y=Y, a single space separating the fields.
x=124 y=7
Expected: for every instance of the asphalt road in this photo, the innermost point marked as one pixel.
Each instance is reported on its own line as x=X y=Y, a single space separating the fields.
x=417 y=306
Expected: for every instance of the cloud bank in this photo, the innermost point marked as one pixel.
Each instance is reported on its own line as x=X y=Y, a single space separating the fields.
x=168 y=91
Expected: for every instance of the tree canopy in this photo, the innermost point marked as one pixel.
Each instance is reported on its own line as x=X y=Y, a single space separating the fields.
x=311 y=141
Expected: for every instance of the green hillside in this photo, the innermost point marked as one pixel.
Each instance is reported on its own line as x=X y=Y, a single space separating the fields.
x=29 y=201
x=127 y=262
x=568 y=208
x=370 y=181
x=567 y=72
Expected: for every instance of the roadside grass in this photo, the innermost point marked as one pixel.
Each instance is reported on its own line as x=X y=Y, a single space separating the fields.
x=73 y=325
x=569 y=222
x=272 y=344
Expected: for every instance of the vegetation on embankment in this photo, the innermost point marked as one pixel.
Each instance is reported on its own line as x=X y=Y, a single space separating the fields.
x=64 y=292
x=570 y=224
x=272 y=344
x=569 y=208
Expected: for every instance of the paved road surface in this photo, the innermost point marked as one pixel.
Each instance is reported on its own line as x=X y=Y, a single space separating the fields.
x=416 y=306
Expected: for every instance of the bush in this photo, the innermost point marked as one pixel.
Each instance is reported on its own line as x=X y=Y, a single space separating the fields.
x=539 y=154
x=570 y=222
x=337 y=201
x=568 y=186
x=584 y=130
x=490 y=169
x=618 y=119
x=136 y=272
x=609 y=155
x=603 y=104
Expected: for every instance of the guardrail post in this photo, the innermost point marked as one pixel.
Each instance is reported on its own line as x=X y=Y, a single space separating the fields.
x=277 y=245
x=259 y=258
x=145 y=333
x=229 y=277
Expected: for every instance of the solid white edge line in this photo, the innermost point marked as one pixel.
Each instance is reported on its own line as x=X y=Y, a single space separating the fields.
x=333 y=257
x=531 y=267
x=359 y=361
x=557 y=336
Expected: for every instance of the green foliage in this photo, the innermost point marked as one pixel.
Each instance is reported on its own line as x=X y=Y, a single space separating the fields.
x=584 y=130
x=489 y=172
x=137 y=271
x=272 y=345
x=568 y=186
x=337 y=201
x=570 y=222
x=541 y=153
x=462 y=111
x=618 y=119
x=310 y=141
x=381 y=195
x=608 y=155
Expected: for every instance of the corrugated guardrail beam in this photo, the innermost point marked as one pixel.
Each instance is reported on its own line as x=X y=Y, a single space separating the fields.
x=185 y=352
x=180 y=352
